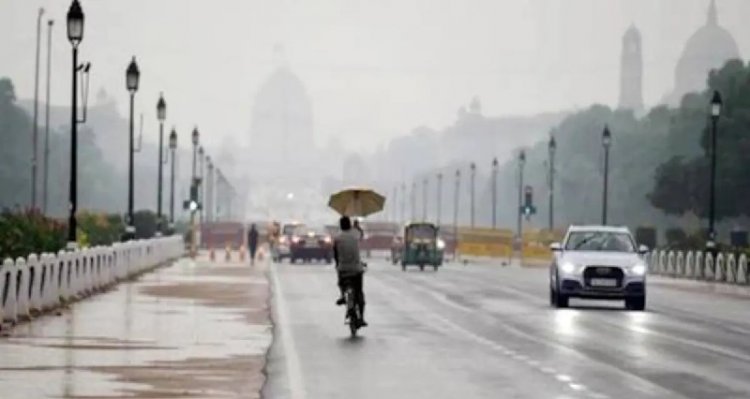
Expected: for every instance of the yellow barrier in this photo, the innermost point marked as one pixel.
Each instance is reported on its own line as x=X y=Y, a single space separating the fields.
x=485 y=242
x=536 y=244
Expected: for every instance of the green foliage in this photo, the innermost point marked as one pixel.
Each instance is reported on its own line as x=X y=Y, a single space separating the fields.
x=646 y=236
x=100 y=229
x=682 y=183
x=24 y=233
x=145 y=223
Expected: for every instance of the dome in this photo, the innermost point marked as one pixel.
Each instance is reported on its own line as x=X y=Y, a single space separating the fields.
x=282 y=117
x=708 y=48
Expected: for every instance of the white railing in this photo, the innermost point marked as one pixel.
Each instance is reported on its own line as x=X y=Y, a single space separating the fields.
x=41 y=283
x=699 y=265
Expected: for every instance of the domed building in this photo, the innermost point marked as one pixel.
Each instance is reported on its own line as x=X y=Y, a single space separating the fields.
x=708 y=48
x=282 y=121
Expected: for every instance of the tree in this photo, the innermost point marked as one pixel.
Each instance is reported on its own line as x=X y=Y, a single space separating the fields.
x=682 y=183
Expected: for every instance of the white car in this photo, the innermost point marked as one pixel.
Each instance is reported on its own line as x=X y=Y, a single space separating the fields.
x=598 y=262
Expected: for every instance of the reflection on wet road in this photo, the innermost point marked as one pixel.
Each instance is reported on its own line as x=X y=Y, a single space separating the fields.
x=190 y=330
x=488 y=332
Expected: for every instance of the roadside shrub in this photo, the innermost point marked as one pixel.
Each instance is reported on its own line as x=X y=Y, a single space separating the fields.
x=677 y=238
x=26 y=232
x=99 y=229
x=646 y=236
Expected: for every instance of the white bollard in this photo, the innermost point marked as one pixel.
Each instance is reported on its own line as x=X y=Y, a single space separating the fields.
x=36 y=270
x=680 y=264
x=7 y=290
x=731 y=269
x=690 y=264
x=719 y=270
x=742 y=270
x=671 y=267
x=663 y=262
x=699 y=264
x=22 y=289
x=708 y=272
x=50 y=291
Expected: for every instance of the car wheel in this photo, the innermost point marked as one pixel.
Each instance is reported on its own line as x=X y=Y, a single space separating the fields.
x=403 y=266
x=637 y=303
x=561 y=301
x=292 y=260
x=552 y=297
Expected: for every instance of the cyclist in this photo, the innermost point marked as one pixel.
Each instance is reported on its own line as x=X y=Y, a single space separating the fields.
x=348 y=264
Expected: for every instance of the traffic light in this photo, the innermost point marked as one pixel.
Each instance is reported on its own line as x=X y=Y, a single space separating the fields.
x=193 y=204
x=528 y=208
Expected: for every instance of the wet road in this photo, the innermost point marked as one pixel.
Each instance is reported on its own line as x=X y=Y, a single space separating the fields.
x=191 y=330
x=483 y=331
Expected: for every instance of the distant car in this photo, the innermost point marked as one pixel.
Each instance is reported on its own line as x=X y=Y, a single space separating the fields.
x=284 y=240
x=310 y=244
x=598 y=262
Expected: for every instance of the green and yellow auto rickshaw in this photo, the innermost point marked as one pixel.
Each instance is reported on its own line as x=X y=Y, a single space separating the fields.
x=421 y=246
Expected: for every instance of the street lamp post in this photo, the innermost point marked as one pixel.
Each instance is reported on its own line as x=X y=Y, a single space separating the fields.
x=424 y=199
x=403 y=203
x=209 y=188
x=439 y=199
x=494 y=193
x=201 y=173
x=35 y=123
x=606 y=143
x=473 y=169
x=552 y=147
x=219 y=192
x=716 y=108
x=173 y=148
x=161 y=113
x=194 y=194
x=519 y=222
x=196 y=138
x=413 y=201
x=45 y=181
x=456 y=198
x=132 y=77
x=75 y=23
x=394 y=205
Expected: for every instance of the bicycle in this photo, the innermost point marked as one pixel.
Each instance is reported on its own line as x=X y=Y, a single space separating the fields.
x=353 y=313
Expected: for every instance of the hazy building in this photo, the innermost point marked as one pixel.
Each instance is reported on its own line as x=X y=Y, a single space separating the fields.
x=282 y=121
x=631 y=71
x=708 y=48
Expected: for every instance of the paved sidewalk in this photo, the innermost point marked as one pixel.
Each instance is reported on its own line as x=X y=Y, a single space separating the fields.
x=191 y=330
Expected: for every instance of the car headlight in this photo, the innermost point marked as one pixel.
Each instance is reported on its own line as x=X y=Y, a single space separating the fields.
x=440 y=244
x=568 y=268
x=639 y=269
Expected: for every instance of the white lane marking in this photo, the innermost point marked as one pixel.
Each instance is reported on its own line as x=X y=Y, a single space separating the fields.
x=484 y=341
x=563 y=378
x=444 y=299
x=577 y=387
x=291 y=357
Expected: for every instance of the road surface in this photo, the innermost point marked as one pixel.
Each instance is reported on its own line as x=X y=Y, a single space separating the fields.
x=484 y=331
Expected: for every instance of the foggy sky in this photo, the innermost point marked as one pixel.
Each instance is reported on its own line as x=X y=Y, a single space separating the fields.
x=374 y=69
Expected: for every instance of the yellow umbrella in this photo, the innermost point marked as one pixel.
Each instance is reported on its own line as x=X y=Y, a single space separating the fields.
x=359 y=202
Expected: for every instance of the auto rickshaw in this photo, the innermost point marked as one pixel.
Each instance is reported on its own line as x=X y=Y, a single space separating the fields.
x=421 y=246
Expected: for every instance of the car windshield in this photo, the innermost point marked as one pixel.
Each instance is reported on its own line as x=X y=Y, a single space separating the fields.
x=599 y=241
x=421 y=232
x=294 y=229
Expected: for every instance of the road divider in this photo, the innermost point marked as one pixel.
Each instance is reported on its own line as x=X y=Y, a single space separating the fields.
x=39 y=283
x=698 y=265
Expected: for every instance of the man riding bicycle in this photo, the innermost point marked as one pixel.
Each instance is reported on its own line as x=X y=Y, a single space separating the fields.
x=348 y=264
